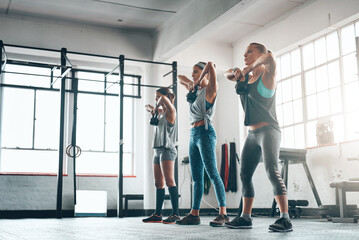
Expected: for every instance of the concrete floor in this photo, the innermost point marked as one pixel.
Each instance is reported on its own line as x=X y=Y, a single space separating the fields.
x=133 y=228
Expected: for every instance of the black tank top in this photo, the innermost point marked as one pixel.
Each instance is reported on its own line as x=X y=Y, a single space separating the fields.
x=258 y=108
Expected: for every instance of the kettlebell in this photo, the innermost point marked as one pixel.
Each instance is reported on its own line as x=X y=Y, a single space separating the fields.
x=192 y=95
x=154 y=119
x=242 y=86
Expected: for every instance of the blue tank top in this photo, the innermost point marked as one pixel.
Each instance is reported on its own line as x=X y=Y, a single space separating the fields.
x=259 y=104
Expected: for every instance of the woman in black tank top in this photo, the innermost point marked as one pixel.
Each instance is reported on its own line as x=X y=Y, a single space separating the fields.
x=256 y=86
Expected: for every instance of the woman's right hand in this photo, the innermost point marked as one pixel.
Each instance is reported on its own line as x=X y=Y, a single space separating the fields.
x=149 y=108
x=238 y=74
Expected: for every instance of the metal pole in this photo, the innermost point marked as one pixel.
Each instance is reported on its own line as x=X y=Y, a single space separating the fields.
x=61 y=141
x=1 y=52
x=74 y=128
x=1 y=89
x=174 y=84
x=120 y=167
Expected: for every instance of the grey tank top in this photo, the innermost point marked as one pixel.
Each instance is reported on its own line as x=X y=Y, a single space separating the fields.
x=197 y=110
x=164 y=134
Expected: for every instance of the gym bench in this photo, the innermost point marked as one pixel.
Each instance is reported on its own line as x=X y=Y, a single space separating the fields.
x=341 y=188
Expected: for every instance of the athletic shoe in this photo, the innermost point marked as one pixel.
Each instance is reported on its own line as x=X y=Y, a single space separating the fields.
x=219 y=221
x=189 y=220
x=153 y=219
x=240 y=223
x=171 y=219
x=281 y=225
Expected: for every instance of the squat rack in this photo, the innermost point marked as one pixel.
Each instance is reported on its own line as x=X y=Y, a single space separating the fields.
x=64 y=71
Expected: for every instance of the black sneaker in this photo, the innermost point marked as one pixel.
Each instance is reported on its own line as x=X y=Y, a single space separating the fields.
x=171 y=219
x=189 y=220
x=219 y=221
x=153 y=219
x=240 y=223
x=281 y=225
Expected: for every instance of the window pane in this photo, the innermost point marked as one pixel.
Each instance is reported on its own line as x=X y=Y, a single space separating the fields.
x=285 y=65
x=90 y=122
x=297 y=87
x=18 y=115
x=320 y=51
x=112 y=123
x=312 y=106
x=128 y=168
x=311 y=134
x=348 y=39
x=19 y=76
x=97 y=162
x=322 y=78
x=29 y=161
x=295 y=61
x=310 y=84
x=332 y=46
x=352 y=125
x=112 y=86
x=308 y=56
x=351 y=94
x=278 y=93
x=338 y=128
x=91 y=81
x=289 y=137
x=128 y=125
x=47 y=119
x=323 y=104
x=287 y=90
x=350 y=68
x=278 y=69
x=335 y=100
x=288 y=113
x=333 y=74
x=299 y=136
x=298 y=110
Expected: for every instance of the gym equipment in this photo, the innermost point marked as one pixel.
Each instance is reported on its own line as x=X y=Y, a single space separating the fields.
x=295 y=156
x=242 y=86
x=154 y=119
x=192 y=95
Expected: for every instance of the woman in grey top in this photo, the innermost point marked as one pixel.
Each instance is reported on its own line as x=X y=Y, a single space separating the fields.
x=202 y=146
x=165 y=154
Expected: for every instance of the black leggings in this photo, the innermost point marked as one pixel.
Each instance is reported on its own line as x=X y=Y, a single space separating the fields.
x=263 y=142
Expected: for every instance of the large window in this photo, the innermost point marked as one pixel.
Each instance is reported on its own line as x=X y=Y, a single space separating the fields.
x=30 y=113
x=318 y=84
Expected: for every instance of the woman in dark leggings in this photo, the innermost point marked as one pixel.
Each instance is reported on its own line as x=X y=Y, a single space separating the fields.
x=165 y=154
x=202 y=147
x=264 y=136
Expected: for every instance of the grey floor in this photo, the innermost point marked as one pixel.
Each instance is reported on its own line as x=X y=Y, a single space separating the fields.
x=133 y=228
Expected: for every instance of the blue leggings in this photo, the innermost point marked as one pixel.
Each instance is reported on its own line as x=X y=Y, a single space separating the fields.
x=202 y=155
x=262 y=143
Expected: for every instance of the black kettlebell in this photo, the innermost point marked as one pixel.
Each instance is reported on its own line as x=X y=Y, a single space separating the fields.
x=242 y=86
x=154 y=119
x=192 y=95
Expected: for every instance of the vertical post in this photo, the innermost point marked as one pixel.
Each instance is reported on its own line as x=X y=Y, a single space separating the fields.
x=1 y=53
x=1 y=89
x=74 y=82
x=120 y=167
x=61 y=140
x=174 y=84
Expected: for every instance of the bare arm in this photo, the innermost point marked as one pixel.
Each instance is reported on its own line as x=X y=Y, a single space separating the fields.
x=212 y=86
x=233 y=74
x=266 y=60
x=184 y=81
x=170 y=109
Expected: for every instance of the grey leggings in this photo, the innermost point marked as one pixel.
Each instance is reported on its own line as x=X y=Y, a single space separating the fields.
x=263 y=142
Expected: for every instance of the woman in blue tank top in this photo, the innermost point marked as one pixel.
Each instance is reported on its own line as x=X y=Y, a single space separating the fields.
x=165 y=154
x=202 y=146
x=256 y=86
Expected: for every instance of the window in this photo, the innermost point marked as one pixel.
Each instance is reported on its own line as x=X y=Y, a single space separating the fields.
x=30 y=113
x=318 y=83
